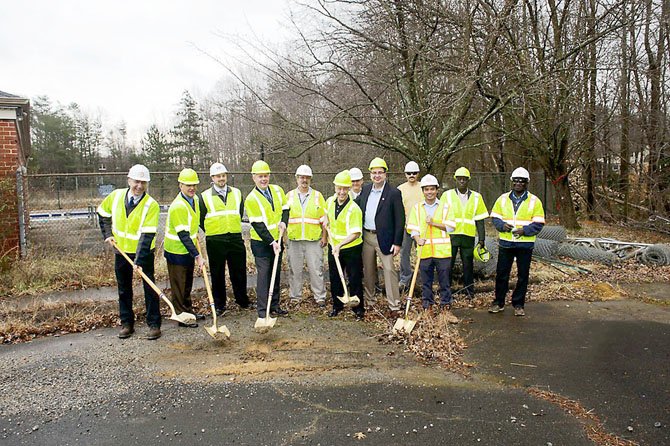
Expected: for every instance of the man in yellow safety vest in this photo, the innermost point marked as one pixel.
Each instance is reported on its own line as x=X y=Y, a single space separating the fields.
x=344 y=219
x=428 y=225
x=306 y=238
x=221 y=211
x=518 y=216
x=468 y=210
x=181 y=231
x=267 y=209
x=129 y=218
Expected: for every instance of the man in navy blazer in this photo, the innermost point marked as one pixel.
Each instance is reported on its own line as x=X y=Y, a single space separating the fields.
x=383 y=226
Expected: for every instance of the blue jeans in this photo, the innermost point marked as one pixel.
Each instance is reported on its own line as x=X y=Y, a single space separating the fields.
x=427 y=269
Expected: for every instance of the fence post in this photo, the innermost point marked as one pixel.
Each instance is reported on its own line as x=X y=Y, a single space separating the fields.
x=20 y=197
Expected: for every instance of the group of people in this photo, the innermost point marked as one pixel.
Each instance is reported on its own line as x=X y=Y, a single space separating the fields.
x=359 y=224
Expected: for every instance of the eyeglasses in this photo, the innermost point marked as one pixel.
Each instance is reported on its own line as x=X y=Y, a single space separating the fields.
x=519 y=180
x=412 y=173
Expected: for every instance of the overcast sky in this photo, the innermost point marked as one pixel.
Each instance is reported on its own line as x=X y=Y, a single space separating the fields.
x=125 y=59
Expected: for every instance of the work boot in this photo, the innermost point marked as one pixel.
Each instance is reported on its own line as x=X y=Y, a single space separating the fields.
x=279 y=312
x=495 y=308
x=518 y=311
x=126 y=332
x=154 y=333
x=449 y=316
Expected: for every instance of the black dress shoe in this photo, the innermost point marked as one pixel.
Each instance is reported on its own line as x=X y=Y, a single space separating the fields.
x=279 y=312
x=199 y=317
x=221 y=312
x=188 y=324
x=334 y=313
x=360 y=316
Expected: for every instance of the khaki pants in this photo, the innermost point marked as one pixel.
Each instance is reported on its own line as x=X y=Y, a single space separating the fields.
x=300 y=252
x=370 y=250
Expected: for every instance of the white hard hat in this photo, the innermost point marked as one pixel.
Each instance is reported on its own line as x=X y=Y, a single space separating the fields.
x=429 y=180
x=411 y=167
x=520 y=172
x=139 y=172
x=217 y=169
x=303 y=170
x=356 y=174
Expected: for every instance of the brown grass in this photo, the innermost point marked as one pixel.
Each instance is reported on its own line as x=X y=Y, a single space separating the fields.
x=591 y=423
x=54 y=318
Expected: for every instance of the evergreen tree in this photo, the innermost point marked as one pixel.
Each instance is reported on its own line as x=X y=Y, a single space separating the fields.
x=190 y=147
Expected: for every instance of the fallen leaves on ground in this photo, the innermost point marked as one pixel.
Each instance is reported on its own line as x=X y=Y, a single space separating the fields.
x=591 y=423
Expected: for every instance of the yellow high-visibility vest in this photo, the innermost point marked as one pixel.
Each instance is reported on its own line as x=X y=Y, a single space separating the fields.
x=222 y=218
x=127 y=230
x=464 y=217
x=305 y=225
x=529 y=211
x=259 y=210
x=438 y=243
x=348 y=221
x=181 y=217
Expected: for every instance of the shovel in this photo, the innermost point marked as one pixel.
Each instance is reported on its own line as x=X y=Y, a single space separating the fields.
x=405 y=324
x=268 y=322
x=350 y=301
x=214 y=329
x=184 y=317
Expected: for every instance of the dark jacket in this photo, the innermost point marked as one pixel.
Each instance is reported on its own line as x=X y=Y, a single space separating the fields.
x=390 y=216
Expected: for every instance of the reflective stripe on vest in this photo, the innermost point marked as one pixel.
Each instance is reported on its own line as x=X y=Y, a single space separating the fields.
x=522 y=217
x=437 y=239
x=298 y=228
x=222 y=218
x=172 y=242
x=342 y=226
x=465 y=224
x=265 y=207
x=127 y=229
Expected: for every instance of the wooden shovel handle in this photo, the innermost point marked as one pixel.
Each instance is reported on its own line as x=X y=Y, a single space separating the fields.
x=144 y=276
x=337 y=263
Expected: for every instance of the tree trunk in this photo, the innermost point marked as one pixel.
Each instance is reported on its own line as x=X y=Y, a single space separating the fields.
x=564 y=202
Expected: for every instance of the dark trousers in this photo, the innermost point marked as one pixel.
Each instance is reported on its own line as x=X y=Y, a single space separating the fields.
x=181 y=284
x=263 y=276
x=124 y=278
x=506 y=257
x=231 y=251
x=351 y=260
x=427 y=269
x=466 y=245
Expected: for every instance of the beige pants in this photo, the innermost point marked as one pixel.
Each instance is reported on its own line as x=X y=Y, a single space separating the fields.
x=370 y=250
x=300 y=252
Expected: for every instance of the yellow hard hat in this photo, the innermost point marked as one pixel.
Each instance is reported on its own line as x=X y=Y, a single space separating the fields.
x=343 y=179
x=377 y=163
x=462 y=172
x=482 y=254
x=188 y=176
x=260 y=167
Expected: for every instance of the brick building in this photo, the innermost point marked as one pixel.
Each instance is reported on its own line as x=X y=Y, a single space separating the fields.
x=14 y=150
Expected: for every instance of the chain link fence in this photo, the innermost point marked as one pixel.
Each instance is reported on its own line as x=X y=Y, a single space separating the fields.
x=62 y=207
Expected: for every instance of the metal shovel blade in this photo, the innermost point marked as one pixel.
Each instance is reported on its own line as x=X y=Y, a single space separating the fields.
x=184 y=317
x=265 y=322
x=213 y=331
x=353 y=301
x=344 y=299
x=405 y=325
